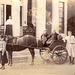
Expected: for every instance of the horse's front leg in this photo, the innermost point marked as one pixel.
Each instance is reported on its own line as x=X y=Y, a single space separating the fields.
x=33 y=55
x=10 y=58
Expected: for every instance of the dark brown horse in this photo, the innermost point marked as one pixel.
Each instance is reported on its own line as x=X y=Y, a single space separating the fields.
x=19 y=44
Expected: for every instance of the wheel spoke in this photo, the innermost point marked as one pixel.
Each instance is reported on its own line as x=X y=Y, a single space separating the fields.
x=63 y=56
x=60 y=60
x=56 y=59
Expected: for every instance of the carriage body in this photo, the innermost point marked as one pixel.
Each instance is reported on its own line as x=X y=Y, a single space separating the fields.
x=56 y=43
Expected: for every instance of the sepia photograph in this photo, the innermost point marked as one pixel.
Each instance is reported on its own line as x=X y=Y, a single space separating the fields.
x=37 y=37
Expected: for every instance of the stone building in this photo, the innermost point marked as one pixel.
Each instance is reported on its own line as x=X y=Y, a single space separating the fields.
x=40 y=14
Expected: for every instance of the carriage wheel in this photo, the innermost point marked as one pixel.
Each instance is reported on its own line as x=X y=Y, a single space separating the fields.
x=44 y=53
x=59 y=54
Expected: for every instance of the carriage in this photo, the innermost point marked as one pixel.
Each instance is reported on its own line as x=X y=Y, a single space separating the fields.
x=56 y=50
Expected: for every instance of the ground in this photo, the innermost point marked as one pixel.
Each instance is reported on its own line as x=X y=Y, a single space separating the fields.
x=21 y=66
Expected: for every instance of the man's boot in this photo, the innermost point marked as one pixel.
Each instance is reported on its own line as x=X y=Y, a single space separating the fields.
x=3 y=67
x=73 y=60
x=70 y=59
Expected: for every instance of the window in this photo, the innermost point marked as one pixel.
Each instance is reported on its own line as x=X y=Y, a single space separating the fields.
x=2 y=14
x=20 y=15
x=61 y=17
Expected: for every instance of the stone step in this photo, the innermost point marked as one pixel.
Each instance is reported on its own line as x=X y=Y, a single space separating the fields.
x=20 y=59
x=23 y=56
x=24 y=53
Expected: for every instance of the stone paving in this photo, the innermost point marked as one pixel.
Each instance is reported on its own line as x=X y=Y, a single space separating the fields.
x=21 y=66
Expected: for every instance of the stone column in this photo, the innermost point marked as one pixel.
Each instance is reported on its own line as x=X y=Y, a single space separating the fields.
x=25 y=7
x=34 y=11
x=16 y=17
x=0 y=12
x=41 y=18
x=65 y=18
x=55 y=15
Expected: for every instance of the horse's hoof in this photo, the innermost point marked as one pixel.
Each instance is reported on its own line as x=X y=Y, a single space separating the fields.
x=10 y=65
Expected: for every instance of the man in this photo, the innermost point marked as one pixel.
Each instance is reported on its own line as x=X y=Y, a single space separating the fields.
x=70 y=46
x=9 y=27
x=44 y=37
x=52 y=37
x=3 y=55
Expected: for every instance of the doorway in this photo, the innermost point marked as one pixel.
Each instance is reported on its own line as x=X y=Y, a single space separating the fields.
x=8 y=11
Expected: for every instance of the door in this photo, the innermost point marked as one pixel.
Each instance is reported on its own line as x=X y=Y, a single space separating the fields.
x=8 y=11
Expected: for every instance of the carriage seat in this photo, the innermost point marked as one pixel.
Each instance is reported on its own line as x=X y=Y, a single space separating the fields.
x=56 y=43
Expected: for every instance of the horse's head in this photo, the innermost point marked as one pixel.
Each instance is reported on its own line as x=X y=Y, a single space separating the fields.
x=9 y=39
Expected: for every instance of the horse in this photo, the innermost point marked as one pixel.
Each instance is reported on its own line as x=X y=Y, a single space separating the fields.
x=19 y=44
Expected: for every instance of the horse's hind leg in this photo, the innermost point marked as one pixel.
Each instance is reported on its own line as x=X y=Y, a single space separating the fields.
x=33 y=55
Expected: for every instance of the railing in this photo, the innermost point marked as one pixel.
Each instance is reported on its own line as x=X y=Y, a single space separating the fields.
x=28 y=31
